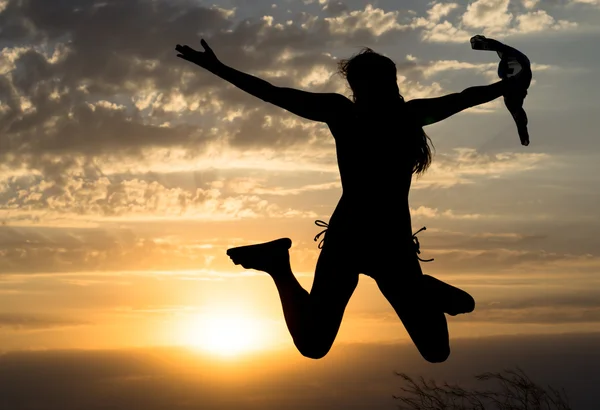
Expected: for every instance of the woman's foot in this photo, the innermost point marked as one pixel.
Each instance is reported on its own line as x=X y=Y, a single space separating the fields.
x=452 y=300
x=270 y=257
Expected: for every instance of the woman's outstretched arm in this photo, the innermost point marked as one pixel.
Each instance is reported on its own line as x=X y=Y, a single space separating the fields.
x=431 y=110
x=313 y=106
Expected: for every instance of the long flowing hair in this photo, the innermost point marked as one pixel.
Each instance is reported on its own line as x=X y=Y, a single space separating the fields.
x=366 y=64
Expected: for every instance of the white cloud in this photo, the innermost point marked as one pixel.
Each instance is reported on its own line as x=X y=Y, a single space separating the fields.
x=439 y=10
x=318 y=75
x=529 y=4
x=593 y=2
x=103 y=199
x=26 y=106
x=254 y=186
x=453 y=65
x=414 y=89
x=540 y=20
x=492 y=15
x=488 y=17
x=8 y=56
x=375 y=20
x=107 y=105
x=466 y=166
x=434 y=213
x=445 y=33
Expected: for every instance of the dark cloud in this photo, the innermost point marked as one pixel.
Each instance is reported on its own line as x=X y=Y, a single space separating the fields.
x=350 y=376
x=67 y=109
x=521 y=306
x=583 y=299
x=548 y=307
x=115 y=49
x=34 y=322
x=335 y=8
x=66 y=117
x=105 y=47
x=505 y=252
x=499 y=259
x=545 y=315
x=62 y=250
x=75 y=69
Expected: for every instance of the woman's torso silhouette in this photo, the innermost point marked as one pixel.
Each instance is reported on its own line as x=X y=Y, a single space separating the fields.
x=372 y=217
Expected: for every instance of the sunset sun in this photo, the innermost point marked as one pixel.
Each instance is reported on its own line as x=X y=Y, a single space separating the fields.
x=225 y=334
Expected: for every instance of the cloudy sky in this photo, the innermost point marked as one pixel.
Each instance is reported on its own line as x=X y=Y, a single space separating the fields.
x=125 y=172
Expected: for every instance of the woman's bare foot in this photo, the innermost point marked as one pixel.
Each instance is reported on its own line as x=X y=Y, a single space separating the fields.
x=452 y=300
x=270 y=257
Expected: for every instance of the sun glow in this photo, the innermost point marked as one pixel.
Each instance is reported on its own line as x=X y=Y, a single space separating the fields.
x=226 y=334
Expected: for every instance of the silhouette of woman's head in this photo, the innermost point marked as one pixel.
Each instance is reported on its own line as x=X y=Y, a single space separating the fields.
x=371 y=76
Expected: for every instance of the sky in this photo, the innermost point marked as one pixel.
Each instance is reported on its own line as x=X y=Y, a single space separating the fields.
x=126 y=173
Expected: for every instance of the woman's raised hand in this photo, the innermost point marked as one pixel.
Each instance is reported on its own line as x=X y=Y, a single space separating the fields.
x=206 y=59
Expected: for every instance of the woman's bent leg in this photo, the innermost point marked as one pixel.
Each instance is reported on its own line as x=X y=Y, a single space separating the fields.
x=314 y=318
x=423 y=319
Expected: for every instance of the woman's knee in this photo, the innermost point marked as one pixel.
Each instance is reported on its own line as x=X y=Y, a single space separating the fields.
x=436 y=355
x=313 y=349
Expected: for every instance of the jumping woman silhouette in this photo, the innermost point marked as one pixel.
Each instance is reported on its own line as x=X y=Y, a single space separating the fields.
x=380 y=144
